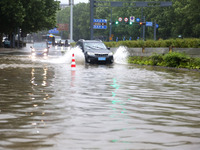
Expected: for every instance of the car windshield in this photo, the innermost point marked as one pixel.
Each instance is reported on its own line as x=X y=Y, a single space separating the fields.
x=94 y=45
x=40 y=45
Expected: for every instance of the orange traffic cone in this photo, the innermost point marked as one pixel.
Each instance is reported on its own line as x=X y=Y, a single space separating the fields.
x=73 y=64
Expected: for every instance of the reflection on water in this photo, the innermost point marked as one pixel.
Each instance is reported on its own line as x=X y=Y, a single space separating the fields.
x=45 y=105
x=44 y=75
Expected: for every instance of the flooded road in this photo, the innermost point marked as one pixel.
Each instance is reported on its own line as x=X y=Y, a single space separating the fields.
x=44 y=105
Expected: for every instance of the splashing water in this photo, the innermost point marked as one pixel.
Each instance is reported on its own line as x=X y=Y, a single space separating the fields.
x=78 y=54
x=121 y=55
x=67 y=57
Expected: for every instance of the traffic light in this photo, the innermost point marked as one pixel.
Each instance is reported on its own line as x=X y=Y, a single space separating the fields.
x=130 y=23
x=142 y=23
x=116 y=22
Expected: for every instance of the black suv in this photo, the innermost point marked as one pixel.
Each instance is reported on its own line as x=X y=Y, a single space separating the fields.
x=95 y=51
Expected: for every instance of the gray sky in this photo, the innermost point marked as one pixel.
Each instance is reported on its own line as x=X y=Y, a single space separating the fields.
x=75 y=1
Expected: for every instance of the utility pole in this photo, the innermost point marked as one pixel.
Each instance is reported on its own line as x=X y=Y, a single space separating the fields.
x=18 y=38
x=71 y=2
x=91 y=18
x=144 y=29
x=141 y=34
x=155 y=30
x=110 y=24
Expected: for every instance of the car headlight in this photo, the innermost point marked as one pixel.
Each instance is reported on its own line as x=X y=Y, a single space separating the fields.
x=110 y=54
x=33 y=54
x=45 y=50
x=32 y=50
x=91 y=53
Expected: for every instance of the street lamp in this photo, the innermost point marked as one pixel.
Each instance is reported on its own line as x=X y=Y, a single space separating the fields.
x=71 y=2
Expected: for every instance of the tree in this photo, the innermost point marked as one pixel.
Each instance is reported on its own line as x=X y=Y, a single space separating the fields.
x=12 y=15
x=40 y=15
x=182 y=18
x=188 y=18
x=27 y=15
x=81 y=21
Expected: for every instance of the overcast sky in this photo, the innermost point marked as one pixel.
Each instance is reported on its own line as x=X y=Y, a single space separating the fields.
x=75 y=1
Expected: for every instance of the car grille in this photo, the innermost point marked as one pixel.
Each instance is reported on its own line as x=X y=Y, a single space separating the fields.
x=101 y=55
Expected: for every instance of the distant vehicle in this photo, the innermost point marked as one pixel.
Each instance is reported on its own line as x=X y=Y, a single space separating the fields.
x=64 y=43
x=57 y=40
x=40 y=50
x=95 y=51
x=61 y=42
x=50 y=38
x=6 y=43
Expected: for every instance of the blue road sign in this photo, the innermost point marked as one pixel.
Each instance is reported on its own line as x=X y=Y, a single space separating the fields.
x=99 y=27
x=100 y=24
x=138 y=19
x=54 y=31
x=149 y=24
x=157 y=25
x=100 y=20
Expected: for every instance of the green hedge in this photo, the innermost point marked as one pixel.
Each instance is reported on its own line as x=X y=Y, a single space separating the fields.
x=179 y=43
x=174 y=59
x=73 y=44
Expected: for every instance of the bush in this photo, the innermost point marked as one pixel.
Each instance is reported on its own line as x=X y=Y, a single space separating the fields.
x=156 y=59
x=73 y=44
x=174 y=59
x=179 y=43
x=194 y=63
x=161 y=43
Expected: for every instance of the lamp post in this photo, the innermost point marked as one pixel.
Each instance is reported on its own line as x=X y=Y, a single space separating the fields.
x=110 y=23
x=91 y=19
x=71 y=2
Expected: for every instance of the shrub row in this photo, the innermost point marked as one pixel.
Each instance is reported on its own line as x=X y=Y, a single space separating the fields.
x=179 y=43
x=174 y=59
x=73 y=44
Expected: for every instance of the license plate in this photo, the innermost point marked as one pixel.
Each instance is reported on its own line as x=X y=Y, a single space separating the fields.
x=101 y=58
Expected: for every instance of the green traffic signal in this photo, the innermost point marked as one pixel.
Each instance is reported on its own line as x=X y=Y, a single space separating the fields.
x=116 y=22
x=130 y=23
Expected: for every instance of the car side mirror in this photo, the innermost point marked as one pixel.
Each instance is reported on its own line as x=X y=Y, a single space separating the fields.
x=31 y=47
x=108 y=48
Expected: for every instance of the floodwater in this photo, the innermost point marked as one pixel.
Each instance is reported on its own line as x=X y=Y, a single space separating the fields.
x=44 y=105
